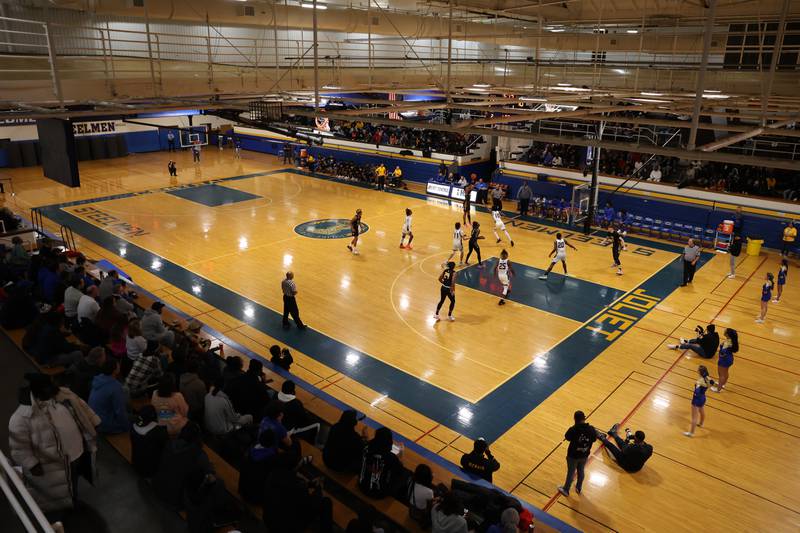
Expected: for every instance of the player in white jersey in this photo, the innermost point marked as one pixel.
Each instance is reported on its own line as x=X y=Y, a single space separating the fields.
x=458 y=245
x=500 y=225
x=503 y=270
x=558 y=253
x=407 y=231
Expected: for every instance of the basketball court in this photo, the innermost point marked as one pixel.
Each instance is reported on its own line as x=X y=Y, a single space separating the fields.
x=217 y=243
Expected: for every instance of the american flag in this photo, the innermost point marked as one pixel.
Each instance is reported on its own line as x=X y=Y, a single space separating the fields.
x=394 y=115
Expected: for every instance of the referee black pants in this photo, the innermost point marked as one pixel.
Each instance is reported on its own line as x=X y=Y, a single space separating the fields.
x=523 y=206
x=688 y=271
x=290 y=308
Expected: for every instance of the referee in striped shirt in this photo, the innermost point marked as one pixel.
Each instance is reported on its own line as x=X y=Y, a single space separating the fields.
x=289 y=289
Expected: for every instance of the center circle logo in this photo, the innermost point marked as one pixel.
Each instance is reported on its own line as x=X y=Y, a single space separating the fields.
x=328 y=228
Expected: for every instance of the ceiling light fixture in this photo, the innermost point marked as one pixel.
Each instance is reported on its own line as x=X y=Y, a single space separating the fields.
x=620 y=70
x=557 y=30
x=648 y=93
x=482 y=85
x=311 y=6
x=631 y=31
x=564 y=84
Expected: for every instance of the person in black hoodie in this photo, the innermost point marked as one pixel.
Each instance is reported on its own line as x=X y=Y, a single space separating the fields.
x=46 y=342
x=147 y=442
x=381 y=470
x=734 y=250
x=281 y=358
x=292 y=504
x=248 y=392
x=181 y=457
x=344 y=446
x=80 y=375
x=295 y=415
x=580 y=437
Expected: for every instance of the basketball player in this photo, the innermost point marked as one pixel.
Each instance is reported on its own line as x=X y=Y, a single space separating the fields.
x=617 y=244
x=500 y=225
x=559 y=252
x=467 y=205
x=474 y=237
x=503 y=270
x=355 y=228
x=458 y=245
x=237 y=148
x=407 y=231
x=447 y=290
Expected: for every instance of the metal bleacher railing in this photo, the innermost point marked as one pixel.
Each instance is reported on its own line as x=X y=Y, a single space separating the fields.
x=21 y=501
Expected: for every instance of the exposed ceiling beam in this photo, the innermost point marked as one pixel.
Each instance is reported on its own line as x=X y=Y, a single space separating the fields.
x=733 y=139
x=547 y=114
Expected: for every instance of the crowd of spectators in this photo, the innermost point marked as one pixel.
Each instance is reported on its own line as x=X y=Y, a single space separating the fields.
x=413 y=138
x=115 y=369
x=709 y=175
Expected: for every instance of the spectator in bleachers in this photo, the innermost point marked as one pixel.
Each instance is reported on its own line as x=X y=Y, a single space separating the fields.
x=281 y=358
x=294 y=414
x=46 y=341
x=509 y=522
x=258 y=462
x=148 y=440
x=19 y=309
x=220 y=418
x=107 y=317
x=170 y=405
x=233 y=369
x=655 y=174
x=52 y=437
x=72 y=295
x=345 y=446
x=381 y=469
x=420 y=495
x=145 y=371
x=121 y=301
x=249 y=392
x=193 y=390
x=292 y=504
x=88 y=306
x=106 y=287
x=47 y=279
x=480 y=461
x=447 y=516
x=18 y=258
x=135 y=343
x=108 y=399
x=81 y=374
x=153 y=328
x=273 y=421
x=181 y=457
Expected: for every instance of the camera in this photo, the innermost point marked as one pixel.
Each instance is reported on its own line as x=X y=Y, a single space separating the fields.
x=700 y=331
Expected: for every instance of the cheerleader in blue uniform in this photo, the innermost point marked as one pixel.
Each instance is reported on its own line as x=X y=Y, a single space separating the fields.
x=781 y=279
x=729 y=346
x=766 y=296
x=699 y=400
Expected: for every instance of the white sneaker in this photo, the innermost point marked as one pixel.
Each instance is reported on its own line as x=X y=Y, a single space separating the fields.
x=775 y=301
x=436 y=317
x=355 y=252
x=759 y=321
x=543 y=276
x=688 y=433
x=731 y=276
x=714 y=388
x=683 y=341
x=672 y=346
x=451 y=318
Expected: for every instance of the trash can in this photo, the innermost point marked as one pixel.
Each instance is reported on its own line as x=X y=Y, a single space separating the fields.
x=754 y=246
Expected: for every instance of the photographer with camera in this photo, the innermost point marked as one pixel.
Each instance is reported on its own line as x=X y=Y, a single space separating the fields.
x=705 y=345
x=632 y=453
x=480 y=461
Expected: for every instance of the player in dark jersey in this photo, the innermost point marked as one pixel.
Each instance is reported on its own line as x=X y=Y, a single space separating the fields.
x=474 y=237
x=617 y=244
x=355 y=228
x=447 y=290
x=467 y=205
